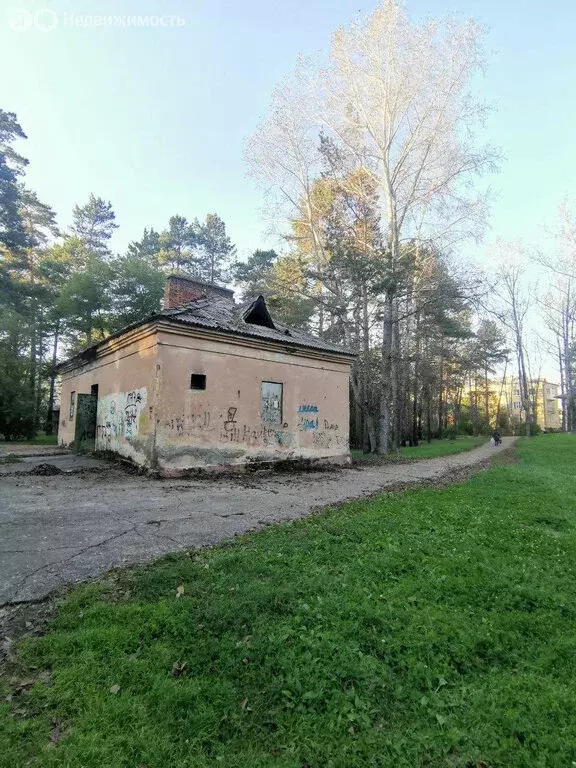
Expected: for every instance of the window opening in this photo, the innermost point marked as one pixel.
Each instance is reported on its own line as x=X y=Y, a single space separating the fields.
x=198 y=381
x=271 y=402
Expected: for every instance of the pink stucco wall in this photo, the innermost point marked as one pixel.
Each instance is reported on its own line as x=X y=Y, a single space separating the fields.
x=148 y=412
x=125 y=374
x=223 y=424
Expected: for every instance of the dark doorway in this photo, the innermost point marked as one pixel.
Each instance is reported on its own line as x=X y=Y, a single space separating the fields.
x=85 y=431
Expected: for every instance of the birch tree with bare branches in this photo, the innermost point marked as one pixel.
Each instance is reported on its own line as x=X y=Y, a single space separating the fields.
x=559 y=307
x=394 y=97
x=516 y=299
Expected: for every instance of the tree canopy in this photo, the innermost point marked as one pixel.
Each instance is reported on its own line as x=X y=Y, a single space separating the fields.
x=63 y=290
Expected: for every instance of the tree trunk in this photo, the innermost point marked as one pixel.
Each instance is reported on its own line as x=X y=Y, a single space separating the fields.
x=457 y=409
x=415 y=403
x=486 y=397
x=387 y=376
x=476 y=406
x=38 y=382
x=502 y=385
x=571 y=421
x=562 y=383
x=416 y=382
x=388 y=363
x=49 y=417
x=32 y=375
x=369 y=421
x=396 y=394
x=523 y=379
x=441 y=393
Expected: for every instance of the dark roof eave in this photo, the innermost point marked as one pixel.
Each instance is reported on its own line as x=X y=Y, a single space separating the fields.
x=88 y=351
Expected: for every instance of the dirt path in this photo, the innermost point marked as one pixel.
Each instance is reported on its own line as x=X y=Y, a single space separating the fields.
x=65 y=528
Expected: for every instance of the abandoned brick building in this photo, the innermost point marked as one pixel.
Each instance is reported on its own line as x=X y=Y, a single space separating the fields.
x=208 y=383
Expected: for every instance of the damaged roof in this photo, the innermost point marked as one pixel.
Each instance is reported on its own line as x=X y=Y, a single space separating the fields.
x=252 y=319
x=216 y=313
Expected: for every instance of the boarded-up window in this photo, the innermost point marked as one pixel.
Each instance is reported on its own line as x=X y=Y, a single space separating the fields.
x=271 y=406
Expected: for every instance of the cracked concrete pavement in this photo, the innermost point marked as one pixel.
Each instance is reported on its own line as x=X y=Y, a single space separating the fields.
x=70 y=527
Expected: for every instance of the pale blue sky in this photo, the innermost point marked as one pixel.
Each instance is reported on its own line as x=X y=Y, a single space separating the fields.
x=154 y=119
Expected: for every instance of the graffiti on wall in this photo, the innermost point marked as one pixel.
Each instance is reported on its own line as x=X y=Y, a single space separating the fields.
x=324 y=432
x=181 y=425
x=307 y=423
x=236 y=432
x=230 y=427
x=245 y=433
x=119 y=417
x=132 y=410
x=322 y=439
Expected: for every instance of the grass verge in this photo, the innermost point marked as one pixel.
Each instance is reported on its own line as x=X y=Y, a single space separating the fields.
x=425 y=450
x=38 y=440
x=428 y=628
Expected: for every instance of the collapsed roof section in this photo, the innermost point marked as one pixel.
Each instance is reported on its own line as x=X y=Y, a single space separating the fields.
x=219 y=313
x=252 y=319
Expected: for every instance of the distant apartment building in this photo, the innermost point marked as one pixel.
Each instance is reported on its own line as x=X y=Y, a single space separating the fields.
x=542 y=393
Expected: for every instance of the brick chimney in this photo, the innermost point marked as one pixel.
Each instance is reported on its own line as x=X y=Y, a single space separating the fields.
x=180 y=290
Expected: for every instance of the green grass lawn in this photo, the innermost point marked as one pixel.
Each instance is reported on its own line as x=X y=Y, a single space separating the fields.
x=44 y=440
x=427 y=450
x=38 y=440
x=428 y=628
